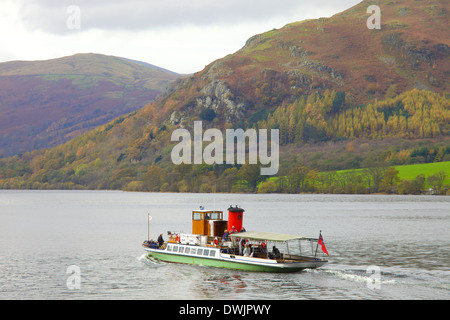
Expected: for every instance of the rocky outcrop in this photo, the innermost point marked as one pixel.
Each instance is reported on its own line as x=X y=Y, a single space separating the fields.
x=414 y=53
x=301 y=60
x=217 y=96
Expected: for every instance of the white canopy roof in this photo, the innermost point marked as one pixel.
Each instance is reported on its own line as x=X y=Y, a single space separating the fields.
x=269 y=236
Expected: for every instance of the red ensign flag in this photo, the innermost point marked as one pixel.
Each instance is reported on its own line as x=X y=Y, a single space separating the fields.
x=322 y=244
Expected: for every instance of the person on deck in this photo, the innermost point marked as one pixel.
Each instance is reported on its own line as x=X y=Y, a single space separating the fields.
x=225 y=236
x=241 y=247
x=160 y=240
x=247 y=251
x=276 y=253
x=263 y=248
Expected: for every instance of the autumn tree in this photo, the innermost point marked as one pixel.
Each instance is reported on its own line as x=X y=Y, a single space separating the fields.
x=390 y=180
x=436 y=181
x=154 y=178
x=297 y=178
x=251 y=174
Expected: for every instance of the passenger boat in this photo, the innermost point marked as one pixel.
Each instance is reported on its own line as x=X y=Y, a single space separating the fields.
x=216 y=242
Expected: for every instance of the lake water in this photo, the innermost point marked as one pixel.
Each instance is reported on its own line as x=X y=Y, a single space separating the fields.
x=381 y=247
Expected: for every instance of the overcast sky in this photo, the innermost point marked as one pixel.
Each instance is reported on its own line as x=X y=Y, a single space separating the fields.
x=179 y=35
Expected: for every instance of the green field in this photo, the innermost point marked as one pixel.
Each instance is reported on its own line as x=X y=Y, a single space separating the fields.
x=428 y=169
x=413 y=170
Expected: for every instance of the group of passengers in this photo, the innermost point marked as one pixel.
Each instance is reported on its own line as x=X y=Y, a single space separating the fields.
x=247 y=250
x=154 y=245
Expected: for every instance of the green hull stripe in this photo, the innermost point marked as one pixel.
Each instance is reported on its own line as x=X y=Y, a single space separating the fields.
x=219 y=263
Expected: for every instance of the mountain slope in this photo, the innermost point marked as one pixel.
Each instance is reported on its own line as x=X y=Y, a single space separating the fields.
x=339 y=53
x=45 y=103
x=314 y=80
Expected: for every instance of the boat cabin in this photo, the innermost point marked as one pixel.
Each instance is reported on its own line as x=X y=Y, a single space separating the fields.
x=208 y=223
x=211 y=223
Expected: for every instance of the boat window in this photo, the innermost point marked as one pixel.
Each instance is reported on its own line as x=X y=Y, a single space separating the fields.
x=181 y=250
x=186 y=250
x=206 y=252
x=197 y=216
x=212 y=253
x=215 y=216
x=193 y=251
x=199 y=252
x=169 y=248
x=175 y=248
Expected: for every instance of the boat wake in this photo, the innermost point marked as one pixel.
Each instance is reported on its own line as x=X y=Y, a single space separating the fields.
x=358 y=274
x=388 y=275
x=150 y=260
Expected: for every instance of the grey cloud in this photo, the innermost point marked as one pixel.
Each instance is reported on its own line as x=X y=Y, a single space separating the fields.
x=51 y=15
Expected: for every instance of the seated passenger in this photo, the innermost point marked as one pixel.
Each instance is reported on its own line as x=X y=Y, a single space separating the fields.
x=247 y=251
x=153 y=244
x=225 y=235
x=263 y=248
x=276 y=253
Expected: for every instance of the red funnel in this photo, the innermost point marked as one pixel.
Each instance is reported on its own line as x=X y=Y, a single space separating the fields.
x=235 y=218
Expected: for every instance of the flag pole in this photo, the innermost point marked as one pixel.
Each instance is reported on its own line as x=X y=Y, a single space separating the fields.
x=148 y=226
x=317 y=246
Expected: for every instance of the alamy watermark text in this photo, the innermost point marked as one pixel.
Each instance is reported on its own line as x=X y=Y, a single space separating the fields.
x=190 y=150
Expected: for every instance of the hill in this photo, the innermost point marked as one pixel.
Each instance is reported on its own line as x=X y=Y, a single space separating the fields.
x=342 y=96
x=46 y=103
x=339 y=53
